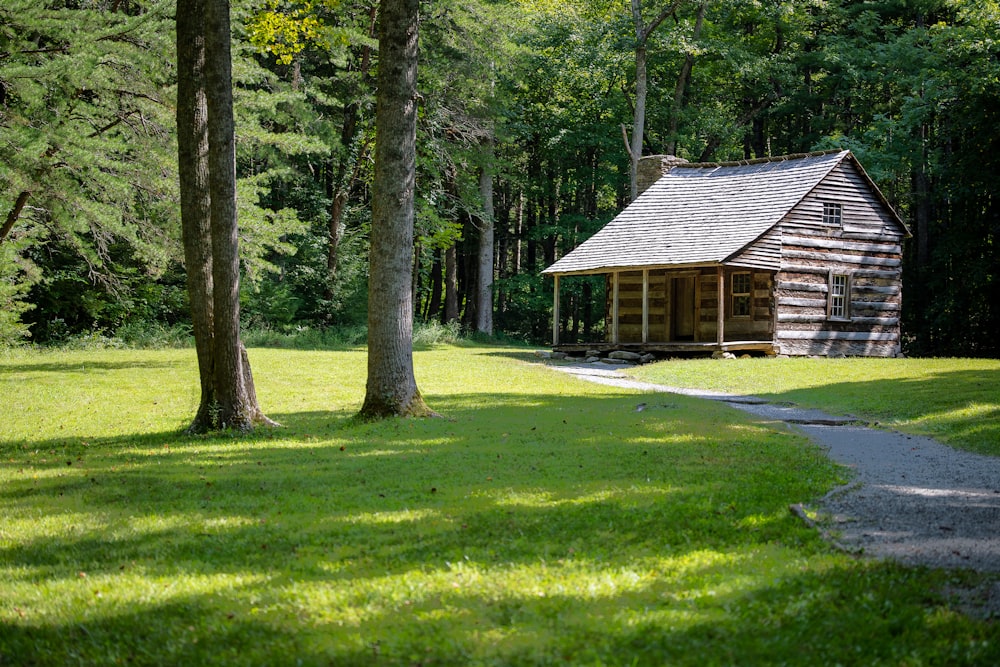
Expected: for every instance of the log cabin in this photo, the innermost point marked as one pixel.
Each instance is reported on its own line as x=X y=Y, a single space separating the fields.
x=791 y=255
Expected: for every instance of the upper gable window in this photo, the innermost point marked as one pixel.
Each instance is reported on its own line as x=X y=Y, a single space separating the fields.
x=833 y=214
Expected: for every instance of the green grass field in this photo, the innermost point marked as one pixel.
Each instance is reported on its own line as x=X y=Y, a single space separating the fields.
x=956 y=401
x=542 y=521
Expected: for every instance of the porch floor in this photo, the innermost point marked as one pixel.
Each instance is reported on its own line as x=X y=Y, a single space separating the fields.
x=765 y=346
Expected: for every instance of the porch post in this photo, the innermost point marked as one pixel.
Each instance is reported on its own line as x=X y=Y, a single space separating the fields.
x=614 y=307
x=645 y=306
x=555 y=311
x=719 y=334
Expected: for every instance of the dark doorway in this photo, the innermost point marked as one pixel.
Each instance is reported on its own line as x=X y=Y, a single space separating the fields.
x=682 y=308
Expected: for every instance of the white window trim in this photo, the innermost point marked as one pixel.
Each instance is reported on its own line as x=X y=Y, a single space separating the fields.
x=831 y=306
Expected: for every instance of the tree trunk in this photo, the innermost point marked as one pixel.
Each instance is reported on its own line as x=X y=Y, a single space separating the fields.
x=467 y=254
x=484 y=270
x=639 y=118
x=642 y=32
x=192 y=155
x=207 y=166
x=434 y=303
x=450 y=285
x=682 y=81
x=234 y=410
x=392 y=388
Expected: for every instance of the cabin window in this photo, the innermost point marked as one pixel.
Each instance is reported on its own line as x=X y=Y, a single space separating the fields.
x=740 y=290
x=840 y=296
x=833 y=214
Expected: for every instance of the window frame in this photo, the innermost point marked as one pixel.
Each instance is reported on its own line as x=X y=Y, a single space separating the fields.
x=838 y=303
x=734 y=295
x=833 y=214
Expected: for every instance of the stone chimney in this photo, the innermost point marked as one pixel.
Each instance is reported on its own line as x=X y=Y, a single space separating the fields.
x=652 y=167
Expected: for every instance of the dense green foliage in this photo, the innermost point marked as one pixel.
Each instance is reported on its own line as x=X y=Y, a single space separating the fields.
x=544 y=521
x=534 y=91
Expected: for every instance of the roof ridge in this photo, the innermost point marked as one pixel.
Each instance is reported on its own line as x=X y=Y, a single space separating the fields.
x=759 y=160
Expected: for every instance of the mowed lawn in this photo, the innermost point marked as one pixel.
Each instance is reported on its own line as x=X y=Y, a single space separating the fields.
x=956 y=401
x=541 y=521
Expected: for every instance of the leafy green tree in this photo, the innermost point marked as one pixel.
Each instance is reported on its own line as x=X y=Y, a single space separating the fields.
x=86 y=138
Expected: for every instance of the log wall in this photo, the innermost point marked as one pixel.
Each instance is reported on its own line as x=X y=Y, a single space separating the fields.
x=866 y=246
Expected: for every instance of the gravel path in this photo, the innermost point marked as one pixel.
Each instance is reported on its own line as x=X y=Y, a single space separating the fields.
x=912 y=499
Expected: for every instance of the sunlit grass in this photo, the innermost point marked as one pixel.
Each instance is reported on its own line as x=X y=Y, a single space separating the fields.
x=954 y=400
x=543 y=520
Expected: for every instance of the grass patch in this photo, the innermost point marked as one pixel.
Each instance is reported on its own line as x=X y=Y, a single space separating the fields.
x=543 y=521
x=954 y=400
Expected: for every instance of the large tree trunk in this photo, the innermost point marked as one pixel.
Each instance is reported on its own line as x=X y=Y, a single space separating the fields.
x=207 y=165
x=234 y=410
x=192 y=154
x=392 y=388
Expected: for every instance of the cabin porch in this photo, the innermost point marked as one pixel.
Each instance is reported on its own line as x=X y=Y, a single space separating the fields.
x=671 y=348
x=672 y=310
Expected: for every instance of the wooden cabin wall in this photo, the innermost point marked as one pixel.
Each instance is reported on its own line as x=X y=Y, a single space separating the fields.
x=630 y=306
x=866 y=247
x=757 y=326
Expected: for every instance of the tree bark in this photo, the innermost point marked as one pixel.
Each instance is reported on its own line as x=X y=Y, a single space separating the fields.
x=207 y=166
x=192 y=155
x=450 y=285
x=484 y=272
x=234 y=409
x=392 y=389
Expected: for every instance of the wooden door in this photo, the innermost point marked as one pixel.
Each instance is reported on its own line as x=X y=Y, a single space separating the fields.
x=682 y=308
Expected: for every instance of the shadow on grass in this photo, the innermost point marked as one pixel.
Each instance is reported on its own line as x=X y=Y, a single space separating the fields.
x=844 y=615
x=533 y=530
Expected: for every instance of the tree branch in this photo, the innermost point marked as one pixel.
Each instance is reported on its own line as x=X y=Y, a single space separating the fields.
x=628 y=147
x=14 y=214
x=672 y=9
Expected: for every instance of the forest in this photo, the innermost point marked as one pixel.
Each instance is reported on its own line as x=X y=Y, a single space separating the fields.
x=528 y=111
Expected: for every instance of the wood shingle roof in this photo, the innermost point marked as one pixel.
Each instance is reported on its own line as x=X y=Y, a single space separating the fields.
x=700 y=214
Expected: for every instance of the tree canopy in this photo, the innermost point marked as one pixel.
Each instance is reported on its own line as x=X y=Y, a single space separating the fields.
x=533 y=93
